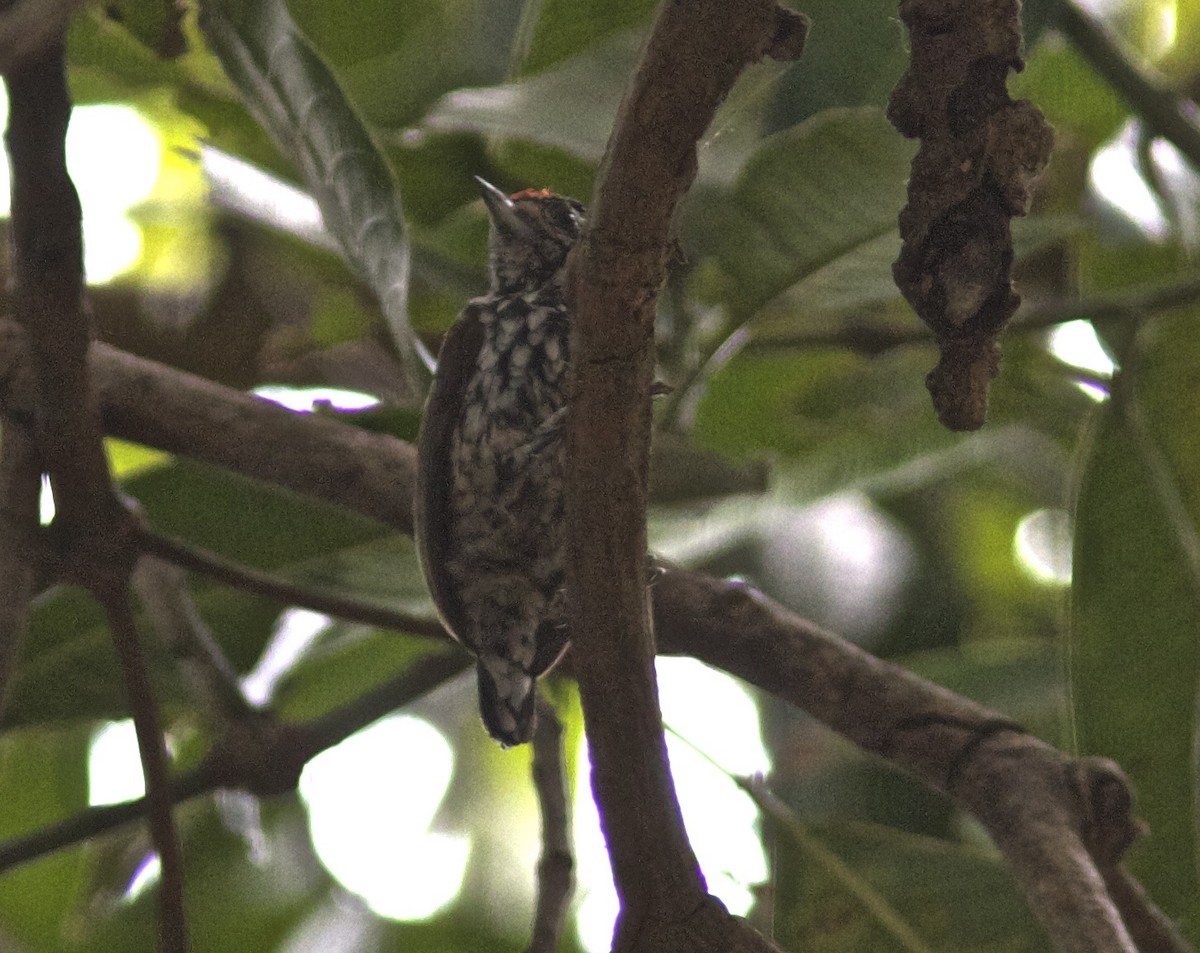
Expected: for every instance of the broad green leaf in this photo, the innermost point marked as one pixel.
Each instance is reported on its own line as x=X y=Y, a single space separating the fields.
x=854 y=55
x=1072 y=96
x=43 y=779
x=950 y=896
x=840 y=414
x=69 y=669
x=862 y=278
x=1136 y=603
x=552 y=31
x=570 y=107
x=809 y=197
x=296 y=98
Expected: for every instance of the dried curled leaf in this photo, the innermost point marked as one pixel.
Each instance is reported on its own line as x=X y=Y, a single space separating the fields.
x=980 y=155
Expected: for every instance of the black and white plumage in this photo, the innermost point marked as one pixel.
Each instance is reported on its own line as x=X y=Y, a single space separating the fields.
x=489 y=516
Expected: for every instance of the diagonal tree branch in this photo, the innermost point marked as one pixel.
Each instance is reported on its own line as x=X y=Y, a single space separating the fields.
x=262 y=757
x=1165 y=113
x=695 y=53
x=197 y=559
x=1046 y=812
x=1033 y=799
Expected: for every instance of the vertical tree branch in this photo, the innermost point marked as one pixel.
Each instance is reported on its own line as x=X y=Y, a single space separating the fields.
x=92 y=535
x=20 y=487
x=48 y=267
x=695 y=53
x=556 y=865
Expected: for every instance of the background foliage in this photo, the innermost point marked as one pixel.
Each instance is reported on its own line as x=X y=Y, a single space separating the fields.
x=798 y=394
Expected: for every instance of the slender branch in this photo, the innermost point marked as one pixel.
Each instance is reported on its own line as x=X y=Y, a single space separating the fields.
x=1167 y=114
x=1041 y=808
x=263 y=758
x=162 y=589
x=415 y=681
x=366 y=472
x=172 y=923
x=97 y=820
x=692 y=59
x=287 y=593
x=556 y=865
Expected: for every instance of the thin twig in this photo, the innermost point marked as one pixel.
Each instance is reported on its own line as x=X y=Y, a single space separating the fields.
x=1167 y=114
x=142 y=705
x=556 y=865
x=1037 y=803
x=96 y=821
x=198 y=559
x=272 y=766
x=162 y=589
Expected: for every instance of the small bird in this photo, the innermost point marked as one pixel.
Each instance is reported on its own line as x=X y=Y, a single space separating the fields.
x=489 y=510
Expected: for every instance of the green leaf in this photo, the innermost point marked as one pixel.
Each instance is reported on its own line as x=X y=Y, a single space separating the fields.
x=570 y=107
x=296 y=98
x=43 y=779
x=922 y=893
x=811 y=196
x=1136 y=603
x=1069 y=93
x=862 y=277
x=69 y=670
x=855 y=53
x=555 y=30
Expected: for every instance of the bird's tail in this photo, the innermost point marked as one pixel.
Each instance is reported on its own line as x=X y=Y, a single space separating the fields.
x=506 y=701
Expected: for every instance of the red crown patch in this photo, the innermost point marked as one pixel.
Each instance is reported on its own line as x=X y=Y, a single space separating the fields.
x=531 y=194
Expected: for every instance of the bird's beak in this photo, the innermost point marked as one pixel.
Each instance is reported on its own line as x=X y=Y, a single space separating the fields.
x=501 y=209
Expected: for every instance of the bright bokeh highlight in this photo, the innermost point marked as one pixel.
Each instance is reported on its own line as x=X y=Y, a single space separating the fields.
x=114 y=766
x=1115 y=178
x=295 y=631
x=718 y=717
x=113 y=156
x=1077 y=344
x=371 y=801
x=1042 y=546
x=307 y=399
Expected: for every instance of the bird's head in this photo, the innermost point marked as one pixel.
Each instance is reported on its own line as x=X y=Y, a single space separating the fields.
x=532 y=232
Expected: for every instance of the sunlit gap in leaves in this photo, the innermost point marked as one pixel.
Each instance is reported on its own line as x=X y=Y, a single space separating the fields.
x=113 y=156
x=309 y=399
x=717 y=716
x=1042 y=546
x=247 y=191
x=114 y=776
x=1155 y=25
x=1116 y=179
x=371 y=802
x=372 y=798
x=1077 y=344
